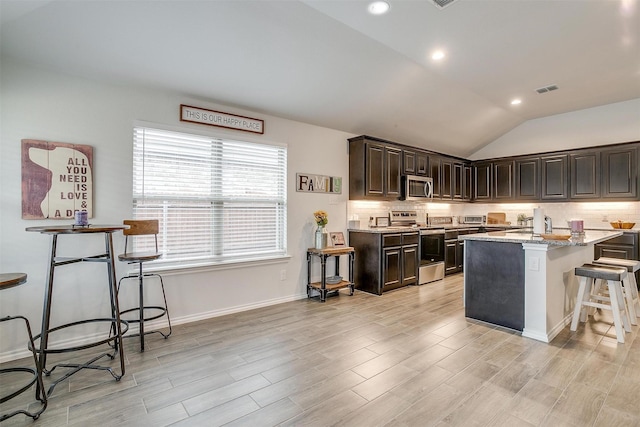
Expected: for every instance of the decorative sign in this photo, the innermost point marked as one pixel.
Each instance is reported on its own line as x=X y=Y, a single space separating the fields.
x=57 y=179
x=310 y=183
x=219 y=119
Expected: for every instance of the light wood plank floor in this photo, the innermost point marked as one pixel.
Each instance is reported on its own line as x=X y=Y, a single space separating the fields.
x=407 y=358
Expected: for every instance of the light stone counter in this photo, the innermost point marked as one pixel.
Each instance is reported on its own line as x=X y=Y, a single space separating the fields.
x=591 y=237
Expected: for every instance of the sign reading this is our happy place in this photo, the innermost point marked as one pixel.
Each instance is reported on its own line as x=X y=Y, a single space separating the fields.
x=220 y=119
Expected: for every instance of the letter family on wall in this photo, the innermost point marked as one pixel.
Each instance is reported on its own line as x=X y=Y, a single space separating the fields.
x=57 y=179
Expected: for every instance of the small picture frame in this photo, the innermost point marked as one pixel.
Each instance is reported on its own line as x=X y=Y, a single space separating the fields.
x=337 y=239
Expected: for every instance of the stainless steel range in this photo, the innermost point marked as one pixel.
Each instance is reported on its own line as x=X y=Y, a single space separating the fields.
x=432 y=247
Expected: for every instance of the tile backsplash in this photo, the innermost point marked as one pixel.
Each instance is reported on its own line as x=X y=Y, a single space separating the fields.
x=594 y=214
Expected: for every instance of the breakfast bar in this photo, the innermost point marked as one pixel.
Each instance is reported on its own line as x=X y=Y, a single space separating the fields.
x=523 y=281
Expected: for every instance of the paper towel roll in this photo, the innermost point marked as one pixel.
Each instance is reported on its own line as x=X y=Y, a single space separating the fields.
x=538 y=221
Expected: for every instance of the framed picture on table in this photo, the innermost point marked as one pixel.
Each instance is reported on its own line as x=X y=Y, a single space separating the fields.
x=337 y=239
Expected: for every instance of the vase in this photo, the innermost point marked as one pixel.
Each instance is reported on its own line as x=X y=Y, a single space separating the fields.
x=321 y=238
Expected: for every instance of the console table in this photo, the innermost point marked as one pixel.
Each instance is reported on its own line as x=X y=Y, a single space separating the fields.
x=117 y=327
x=322 y=286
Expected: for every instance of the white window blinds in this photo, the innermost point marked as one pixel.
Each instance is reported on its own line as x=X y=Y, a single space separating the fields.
x=217 y=200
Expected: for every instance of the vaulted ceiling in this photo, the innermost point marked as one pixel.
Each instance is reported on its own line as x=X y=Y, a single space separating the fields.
x=333 y=64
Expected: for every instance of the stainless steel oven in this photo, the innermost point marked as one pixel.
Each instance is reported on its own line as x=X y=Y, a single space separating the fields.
x=417 y=187
x=431 y=255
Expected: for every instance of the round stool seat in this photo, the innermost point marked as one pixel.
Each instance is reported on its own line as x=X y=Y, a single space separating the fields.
x=601 y=272
x=631 y=265
x=9 y=280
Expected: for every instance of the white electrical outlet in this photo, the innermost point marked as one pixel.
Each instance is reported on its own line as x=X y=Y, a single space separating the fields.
x=605 y=218
x=283 y=274
x=534 y=263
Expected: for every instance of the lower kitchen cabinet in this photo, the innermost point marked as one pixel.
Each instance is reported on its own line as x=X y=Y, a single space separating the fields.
x=623 y=247
x=384 y=260
x=452 y=257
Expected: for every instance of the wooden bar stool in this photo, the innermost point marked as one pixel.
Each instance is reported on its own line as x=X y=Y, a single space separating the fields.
x=629 y=284
x=9 y=280
x=613 y=276
x=143 y=228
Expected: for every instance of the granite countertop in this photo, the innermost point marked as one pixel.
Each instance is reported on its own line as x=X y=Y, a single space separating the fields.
x=590 y=237
x=515 y=228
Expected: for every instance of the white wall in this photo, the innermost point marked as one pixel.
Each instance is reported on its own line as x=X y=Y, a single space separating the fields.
x=607 y=124
x=42 y=105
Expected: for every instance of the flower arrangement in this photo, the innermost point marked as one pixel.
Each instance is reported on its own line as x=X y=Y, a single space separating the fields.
x=322 y=218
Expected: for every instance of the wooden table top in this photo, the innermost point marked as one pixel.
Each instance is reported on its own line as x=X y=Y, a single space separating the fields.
x=332 y=250
x=8 y=280
x=76 y=229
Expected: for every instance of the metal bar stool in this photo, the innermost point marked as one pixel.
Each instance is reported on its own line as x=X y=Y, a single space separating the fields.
x=7 y=281
x=613 y=276
x=629 y=285
x=143 y=228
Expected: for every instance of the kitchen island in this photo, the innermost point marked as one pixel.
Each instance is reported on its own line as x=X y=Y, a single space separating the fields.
x=524 y=282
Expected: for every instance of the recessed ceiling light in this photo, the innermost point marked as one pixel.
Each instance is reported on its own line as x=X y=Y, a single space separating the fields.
x=437 y=55
x=516 y=101
x=378 y=7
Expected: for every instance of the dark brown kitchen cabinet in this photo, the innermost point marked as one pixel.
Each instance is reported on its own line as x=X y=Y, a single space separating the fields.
x=585 y=174
x=482 y=181
x=555 y=176
x=422 y=164
x=624 y=247
x=409 y=162
x=527 y=177
x=458 y=181
x=392 y=172
x=436 y=175
x=446 y=184
x=384 y=261
x=392 y=277
x=374 y=170
x=467 y=187
x=503 y=180
x=620 y=173
x=453 y=254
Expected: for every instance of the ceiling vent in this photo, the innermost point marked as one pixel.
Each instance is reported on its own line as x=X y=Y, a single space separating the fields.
x=441 y=4
x=547 y=89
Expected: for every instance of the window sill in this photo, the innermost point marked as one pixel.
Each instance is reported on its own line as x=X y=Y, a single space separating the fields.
x=194 y=267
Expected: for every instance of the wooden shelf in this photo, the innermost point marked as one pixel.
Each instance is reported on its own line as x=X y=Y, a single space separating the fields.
x=328 y=287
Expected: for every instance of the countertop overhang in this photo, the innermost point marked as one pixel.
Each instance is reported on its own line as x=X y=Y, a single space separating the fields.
x=590 y=237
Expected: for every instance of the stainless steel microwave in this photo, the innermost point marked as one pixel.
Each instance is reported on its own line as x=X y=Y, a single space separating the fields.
x=417 y=187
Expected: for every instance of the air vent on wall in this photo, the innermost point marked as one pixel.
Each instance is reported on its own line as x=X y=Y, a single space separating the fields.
x=547 y=89
x=441 y=4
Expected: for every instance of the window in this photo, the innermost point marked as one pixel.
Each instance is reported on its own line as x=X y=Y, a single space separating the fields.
x=217 y=200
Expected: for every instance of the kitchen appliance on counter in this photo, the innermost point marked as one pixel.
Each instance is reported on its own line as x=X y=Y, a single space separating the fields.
x=417 y=187
x=440 y=221
x=473 y=219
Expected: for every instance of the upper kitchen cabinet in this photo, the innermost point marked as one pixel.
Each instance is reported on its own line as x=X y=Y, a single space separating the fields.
x=467 y=186
x=408 y=162
x=374 y=170
x=422 y=163
x=446 y=179
x=503 y=182
x=555 y=176
x=585 y=174
x=620 y=172
x=482 y=181
x=527 y=174
x=435 y=172
x=415 y=162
